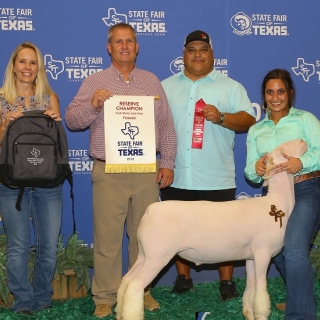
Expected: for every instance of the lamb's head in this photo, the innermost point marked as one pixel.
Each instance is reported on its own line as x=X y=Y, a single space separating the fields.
x=293 y=148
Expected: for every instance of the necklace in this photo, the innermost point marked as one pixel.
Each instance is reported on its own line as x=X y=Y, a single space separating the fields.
x=25 y=96
x=28 y=94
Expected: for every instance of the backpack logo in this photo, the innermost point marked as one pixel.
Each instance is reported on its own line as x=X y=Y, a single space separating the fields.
x=35 y=161
x=35 y=152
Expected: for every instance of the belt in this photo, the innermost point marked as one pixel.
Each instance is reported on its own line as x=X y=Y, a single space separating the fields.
x=306 y=176
x=105 y=160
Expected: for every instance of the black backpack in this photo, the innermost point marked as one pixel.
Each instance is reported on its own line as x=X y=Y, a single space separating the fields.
x=34 y=153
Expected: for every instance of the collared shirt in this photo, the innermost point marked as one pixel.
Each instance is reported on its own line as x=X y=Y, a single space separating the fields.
x=80 y=114
x=265 y=136
x=19 y=105
x=212 y=167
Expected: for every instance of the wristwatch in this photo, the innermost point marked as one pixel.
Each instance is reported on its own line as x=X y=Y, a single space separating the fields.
x=222 y=118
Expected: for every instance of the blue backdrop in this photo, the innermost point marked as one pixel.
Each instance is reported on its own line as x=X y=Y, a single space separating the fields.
x=250 y=38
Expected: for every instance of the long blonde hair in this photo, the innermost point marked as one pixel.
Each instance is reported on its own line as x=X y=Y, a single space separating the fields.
x=9 y=90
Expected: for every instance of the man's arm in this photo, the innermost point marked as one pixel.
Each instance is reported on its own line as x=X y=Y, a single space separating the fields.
x=240 y=121
x=80 y=113
x=167 y=140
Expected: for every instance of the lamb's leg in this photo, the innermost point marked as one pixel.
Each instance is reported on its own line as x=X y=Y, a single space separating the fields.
x=124 y=282
x=249 y=292
x=262 y=299
x=133 y=306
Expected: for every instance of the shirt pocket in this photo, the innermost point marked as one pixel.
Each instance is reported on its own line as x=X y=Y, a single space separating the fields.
x=291 y=131
x=209 y=97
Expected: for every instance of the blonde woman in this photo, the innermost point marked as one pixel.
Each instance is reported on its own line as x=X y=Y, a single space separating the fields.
x=26 y=88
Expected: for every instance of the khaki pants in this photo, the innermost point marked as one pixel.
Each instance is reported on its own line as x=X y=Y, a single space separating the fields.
x=117 y=199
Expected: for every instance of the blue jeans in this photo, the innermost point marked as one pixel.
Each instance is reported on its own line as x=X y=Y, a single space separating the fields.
x=45 y=207
x=293 y=261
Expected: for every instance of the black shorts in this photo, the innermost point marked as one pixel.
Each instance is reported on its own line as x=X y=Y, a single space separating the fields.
x=171 y=193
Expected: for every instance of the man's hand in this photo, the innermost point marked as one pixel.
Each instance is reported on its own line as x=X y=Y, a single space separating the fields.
x=99 y=97
x=165 y=177
x=211 y=113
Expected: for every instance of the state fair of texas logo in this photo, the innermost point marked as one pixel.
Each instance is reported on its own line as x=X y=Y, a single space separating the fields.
x=35 y=152
x=304 y=69
x=259 y=24
x=145 y=22
x=244 y=195
x=53 y=67
x=77 y=68
x=241 y=24
x=113 y=17
x=130 y=130
x=177 y=65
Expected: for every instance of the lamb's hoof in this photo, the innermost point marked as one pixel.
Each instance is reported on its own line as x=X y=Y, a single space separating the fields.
x=149 y=302
x=248 y=315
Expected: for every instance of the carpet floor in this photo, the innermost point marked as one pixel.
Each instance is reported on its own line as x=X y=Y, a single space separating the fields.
x=173 y=306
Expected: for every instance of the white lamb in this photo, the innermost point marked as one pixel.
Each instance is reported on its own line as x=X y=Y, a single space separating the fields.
x=251 y=230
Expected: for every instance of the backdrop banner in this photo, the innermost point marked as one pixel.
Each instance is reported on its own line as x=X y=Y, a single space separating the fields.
x=249 y=39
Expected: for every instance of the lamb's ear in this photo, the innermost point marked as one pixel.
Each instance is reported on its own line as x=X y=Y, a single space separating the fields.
x=269 y=170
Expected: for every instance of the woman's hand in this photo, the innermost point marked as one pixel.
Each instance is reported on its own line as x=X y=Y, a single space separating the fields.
x=261 y=165
x=293 y=165
x=54 y=115
x=9 y=117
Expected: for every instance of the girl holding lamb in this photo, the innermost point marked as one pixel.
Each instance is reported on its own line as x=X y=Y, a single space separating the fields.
x=282 y=123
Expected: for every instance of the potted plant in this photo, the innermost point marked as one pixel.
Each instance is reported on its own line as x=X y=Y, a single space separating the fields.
x=315 y=254
x=4 y=290
x=72 y=277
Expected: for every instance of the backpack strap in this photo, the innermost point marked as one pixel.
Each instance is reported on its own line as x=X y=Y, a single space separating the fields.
x=18 y=203
x=70 y=180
